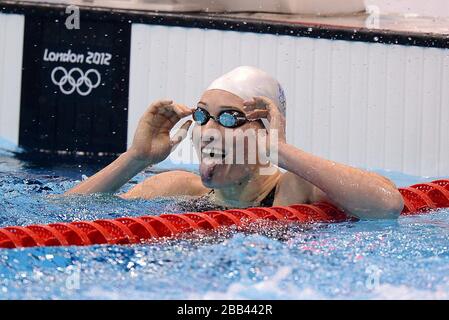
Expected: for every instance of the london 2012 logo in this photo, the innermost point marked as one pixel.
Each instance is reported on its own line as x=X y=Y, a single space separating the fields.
x=75 y=79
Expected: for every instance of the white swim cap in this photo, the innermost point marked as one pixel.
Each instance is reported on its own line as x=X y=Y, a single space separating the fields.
x=248 y=82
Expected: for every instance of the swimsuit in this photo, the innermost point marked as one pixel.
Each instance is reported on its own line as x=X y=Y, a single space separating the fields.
x=204 y=204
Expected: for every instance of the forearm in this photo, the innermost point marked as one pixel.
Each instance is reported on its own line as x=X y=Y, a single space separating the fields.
x=358 y=192
x=112 y=177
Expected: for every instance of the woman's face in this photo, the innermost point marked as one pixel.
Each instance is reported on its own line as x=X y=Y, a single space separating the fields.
x=228 y=156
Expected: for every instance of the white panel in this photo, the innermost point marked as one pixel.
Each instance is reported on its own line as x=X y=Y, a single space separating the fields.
x=431 y=101
x=339 y=97
x=176 y=64
x=368 y=105
x=443 y=160
x=394 y=107
x=358 y=100
x=300 y=99
x=412 y=110
x=11 y=49
x=231 y=51
x=375 y=122
x=139 y=84
x=321 y=99
x=159 y=63
x=286 y=51
x=194 y=66
x=249 y=48
x=268 y=46
x=213 y=54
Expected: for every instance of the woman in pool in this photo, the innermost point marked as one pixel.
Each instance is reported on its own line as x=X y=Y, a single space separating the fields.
x=232 y=105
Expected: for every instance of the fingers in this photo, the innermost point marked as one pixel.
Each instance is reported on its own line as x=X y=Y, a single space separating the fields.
x=257 y=114
x=167 y=108
x=181 y=110
x=174 y=112
x=259 y=108
x=249 y=105
x=166 y=114
x=163 y=102
x=180 y=134
x=249 y=102
x=266 y=103
x=154 y=107
x=262 y=103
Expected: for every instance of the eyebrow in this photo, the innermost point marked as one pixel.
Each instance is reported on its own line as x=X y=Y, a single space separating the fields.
x=225 y=107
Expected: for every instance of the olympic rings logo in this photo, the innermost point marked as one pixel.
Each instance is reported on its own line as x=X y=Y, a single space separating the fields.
x=75 y=79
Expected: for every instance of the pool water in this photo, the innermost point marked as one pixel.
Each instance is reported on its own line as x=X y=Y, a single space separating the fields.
x=403 y=259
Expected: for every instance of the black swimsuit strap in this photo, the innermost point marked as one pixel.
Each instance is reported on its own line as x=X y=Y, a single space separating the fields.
x=269 y=199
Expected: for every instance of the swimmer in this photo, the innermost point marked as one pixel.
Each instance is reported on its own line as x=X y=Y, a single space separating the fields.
x=245 y=99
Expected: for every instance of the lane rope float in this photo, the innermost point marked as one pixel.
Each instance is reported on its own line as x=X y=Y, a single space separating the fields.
x=418 y=199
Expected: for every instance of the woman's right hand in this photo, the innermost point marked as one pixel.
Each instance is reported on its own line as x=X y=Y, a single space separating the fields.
x=152 y=142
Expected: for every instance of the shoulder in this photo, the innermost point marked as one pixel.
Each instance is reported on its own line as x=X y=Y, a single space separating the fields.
x=170 y=183
x=292 y=189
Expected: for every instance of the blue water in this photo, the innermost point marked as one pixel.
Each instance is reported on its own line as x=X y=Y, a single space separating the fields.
x=408 y=258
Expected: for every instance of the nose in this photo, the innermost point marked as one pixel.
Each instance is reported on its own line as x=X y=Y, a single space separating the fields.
x=211 y=124
x=211 y=133
x=211 y=129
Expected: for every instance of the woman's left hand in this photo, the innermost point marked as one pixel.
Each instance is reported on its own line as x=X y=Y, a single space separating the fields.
x=264 y=108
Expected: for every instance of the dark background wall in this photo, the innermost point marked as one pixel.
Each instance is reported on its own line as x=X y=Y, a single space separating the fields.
x=83 y=107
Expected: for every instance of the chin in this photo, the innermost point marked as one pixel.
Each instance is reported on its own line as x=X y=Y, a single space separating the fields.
x=224 y=176
x=216 y=182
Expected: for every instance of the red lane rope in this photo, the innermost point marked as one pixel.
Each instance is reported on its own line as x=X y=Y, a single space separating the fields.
x=418 y=199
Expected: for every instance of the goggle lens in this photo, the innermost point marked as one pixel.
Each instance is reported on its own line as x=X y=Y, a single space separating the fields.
x=227 y=119
x=200 y=116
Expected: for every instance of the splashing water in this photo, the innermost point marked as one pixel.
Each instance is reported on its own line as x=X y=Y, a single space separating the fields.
x=408 y=258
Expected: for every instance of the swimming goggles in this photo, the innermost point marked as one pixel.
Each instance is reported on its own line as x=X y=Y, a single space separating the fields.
x=226 y=118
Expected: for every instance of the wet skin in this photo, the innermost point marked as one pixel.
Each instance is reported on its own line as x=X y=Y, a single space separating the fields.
x=307 y=179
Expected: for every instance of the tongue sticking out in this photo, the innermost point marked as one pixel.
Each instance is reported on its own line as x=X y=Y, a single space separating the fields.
x=207 y=168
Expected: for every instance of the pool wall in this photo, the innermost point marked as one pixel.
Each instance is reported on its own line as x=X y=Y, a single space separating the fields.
x=373 y=99
x=11 y=47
